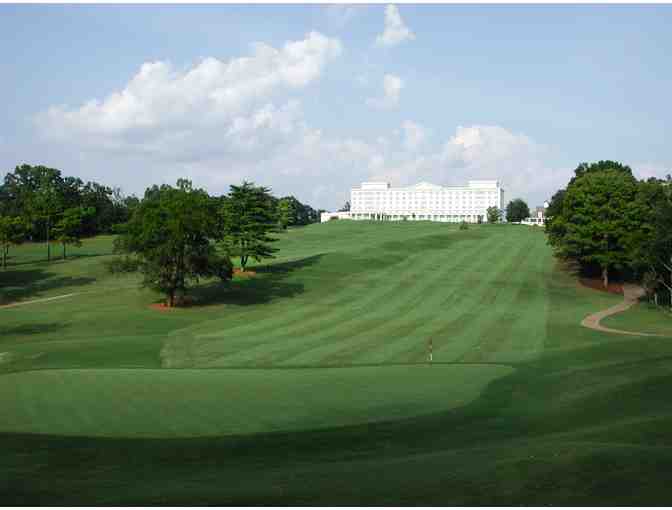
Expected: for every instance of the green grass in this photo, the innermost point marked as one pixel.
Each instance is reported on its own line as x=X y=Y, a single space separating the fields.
x=642 y=317
x=309 y=383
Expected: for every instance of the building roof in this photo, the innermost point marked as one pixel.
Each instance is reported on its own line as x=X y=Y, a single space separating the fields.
x=428 y=186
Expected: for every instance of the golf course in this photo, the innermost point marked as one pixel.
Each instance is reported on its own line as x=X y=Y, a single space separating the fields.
x=308 y=381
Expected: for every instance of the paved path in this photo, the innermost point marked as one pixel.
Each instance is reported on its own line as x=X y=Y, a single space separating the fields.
x=21 y=303
x=631 y=294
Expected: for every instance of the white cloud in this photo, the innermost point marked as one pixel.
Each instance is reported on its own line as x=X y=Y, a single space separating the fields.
x=414 y=135
x=483 y=151
x=159 y=99
x=221 y=122
x=392 y=86
x=395 y=31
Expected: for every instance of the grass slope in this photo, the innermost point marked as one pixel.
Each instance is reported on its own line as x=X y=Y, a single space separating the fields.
x=308 y=384
x=642 y=317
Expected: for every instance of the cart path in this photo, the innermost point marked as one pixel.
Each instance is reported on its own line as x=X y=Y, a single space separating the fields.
x=631 y=294
x=43 y=300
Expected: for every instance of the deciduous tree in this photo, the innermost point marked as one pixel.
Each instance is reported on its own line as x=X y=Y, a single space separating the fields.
x=170 y=232
x=48 y=203
x=517 y=210
x=653 y=243
x=286 y=211
x=68 y=229
x=493 y=214
x=12 y=232
x=599 y=215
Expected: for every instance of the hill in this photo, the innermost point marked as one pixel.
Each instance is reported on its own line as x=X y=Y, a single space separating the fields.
x=309 y=382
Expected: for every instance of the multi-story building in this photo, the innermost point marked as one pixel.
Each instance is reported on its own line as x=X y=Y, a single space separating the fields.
x=539 y=218
x=424 y=201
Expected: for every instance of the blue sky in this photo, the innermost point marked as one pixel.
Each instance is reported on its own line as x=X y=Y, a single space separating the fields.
x=334 y=95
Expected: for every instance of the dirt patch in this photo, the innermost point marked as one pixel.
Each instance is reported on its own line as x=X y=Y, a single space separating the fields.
x=241 y=274
x=161 y=306
x=183 y=302
x=596 y=284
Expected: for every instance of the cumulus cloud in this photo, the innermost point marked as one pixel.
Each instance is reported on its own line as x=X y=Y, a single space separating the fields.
x=392 y=86
x=395 y=31
x=212 y=94
x=218 y=123
x=483 y=151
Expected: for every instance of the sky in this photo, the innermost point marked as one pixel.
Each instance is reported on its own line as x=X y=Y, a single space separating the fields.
x=311 y=100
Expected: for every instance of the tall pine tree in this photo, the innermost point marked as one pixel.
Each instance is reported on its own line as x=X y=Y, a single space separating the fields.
x=247 y=219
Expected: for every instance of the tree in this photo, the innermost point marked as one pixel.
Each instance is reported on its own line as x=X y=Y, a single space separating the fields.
x=346 y=207
x=48 y=203
x=660 y=250
x=68 y=230
x=290 y=212
x=12 y=232
x=22 y=194
x=555 y=229
x=35 y=193
x=517 y=210
x=287 y=212
x=555 y=205
x=247 y=219
x=493 y=214
x=600 y=166
x=170 y=233
x=599 y=215
x=654 y=242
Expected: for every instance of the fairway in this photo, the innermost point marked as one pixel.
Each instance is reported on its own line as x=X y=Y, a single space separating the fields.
x=299 y=383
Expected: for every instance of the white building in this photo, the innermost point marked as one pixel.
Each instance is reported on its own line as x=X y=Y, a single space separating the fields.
x=539 y=218
x=424 y=201
x=340 y=215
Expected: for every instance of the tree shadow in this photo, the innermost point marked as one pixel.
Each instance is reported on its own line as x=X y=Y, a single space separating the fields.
x=431 y=242
x=267 y=284
x=55 y=259
x=17 y=285
x=30 y=329
x=288 y=266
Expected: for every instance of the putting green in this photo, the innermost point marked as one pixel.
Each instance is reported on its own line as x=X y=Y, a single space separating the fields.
x=187 y=403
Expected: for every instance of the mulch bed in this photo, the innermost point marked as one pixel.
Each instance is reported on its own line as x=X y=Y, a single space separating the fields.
x=596 y=284
x=161 y=306
x=187 y=301
x=246 y=274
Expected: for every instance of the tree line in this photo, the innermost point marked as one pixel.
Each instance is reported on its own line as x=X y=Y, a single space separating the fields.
x=613 y=224
x=38 y=203
x=173 y=235
x=516 y=211
x=180 y=234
